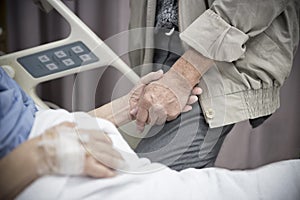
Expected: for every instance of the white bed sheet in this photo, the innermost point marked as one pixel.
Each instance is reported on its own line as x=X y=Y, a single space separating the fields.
x=275 y=181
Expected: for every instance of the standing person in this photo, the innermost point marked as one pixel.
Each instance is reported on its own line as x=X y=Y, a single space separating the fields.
x=240 y=53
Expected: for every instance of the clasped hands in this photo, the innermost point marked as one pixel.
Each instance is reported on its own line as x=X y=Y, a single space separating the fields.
x=160 y=97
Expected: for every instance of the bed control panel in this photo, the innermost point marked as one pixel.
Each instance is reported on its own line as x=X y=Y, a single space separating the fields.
x=58 y=59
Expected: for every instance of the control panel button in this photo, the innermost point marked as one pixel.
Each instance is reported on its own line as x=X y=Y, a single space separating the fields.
x=60 y=54
x=43 y=58
x=51 y=66
x=85 y=57
x=68 y=62
x=57 y=59
x=77 y=49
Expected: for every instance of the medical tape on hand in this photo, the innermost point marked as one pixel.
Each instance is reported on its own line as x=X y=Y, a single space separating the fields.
x=64 y=153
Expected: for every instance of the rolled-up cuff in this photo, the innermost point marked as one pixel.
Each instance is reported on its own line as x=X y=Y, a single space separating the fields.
x=214 y=38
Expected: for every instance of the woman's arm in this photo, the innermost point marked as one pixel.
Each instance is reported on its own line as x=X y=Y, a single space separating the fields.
x=18 y=169
x=47 y=154
x=117 y=111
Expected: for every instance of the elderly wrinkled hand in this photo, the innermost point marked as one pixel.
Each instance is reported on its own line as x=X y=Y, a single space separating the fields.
x=124 y=109
x=136 y=93
x=67 y=150
x=164 y=99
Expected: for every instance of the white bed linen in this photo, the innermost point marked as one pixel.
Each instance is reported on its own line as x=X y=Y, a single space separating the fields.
x=275 y=181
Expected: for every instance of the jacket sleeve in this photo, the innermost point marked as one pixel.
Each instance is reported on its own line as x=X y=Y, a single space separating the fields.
x=222 y=31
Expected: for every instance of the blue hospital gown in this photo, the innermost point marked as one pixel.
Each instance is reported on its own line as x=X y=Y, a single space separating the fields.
x=17 y=112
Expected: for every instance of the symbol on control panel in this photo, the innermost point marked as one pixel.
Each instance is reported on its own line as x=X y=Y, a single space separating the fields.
x=60 y=54
x=85 y=57
x=77 y=49
x=51 y=66
x=43 y=58
x=68 y=62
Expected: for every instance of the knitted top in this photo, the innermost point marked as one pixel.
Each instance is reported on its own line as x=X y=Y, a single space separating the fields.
x=167 y=14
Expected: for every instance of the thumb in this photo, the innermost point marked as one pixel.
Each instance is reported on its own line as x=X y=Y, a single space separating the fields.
x=152 y=76
x=157 y=115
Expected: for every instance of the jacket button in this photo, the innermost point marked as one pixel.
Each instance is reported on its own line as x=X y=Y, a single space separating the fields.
x=210 y=113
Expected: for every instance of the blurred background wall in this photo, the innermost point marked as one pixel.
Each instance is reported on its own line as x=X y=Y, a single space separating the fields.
x=24 y=26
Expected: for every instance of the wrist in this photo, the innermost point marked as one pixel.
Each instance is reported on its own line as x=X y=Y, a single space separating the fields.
x=192 y=65
x=187 y=71
x=117 y=111
x=121 y=110
x=41 y=157
x=35 y=157
x=175 y=79
x=46 y=150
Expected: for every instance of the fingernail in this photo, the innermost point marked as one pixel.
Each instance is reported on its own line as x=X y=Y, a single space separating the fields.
x=194 y=98
x=199 y=91
x=139 y=129
x=133 y=111
x=111 y=173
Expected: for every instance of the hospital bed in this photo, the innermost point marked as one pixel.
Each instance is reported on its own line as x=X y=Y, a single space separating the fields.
x=82 y=50
x=145 y=180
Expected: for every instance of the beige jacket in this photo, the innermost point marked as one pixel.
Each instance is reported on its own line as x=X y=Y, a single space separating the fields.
x=252 y=41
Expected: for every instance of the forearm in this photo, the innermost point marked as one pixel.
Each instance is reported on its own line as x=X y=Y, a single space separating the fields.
x=116 y=111
x=18 y=169
x=192 y=66
x=221 y=32
x=251 y=17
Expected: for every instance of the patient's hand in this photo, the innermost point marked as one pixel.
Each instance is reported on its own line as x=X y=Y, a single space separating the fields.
x=66 y=150
x=61 y=150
